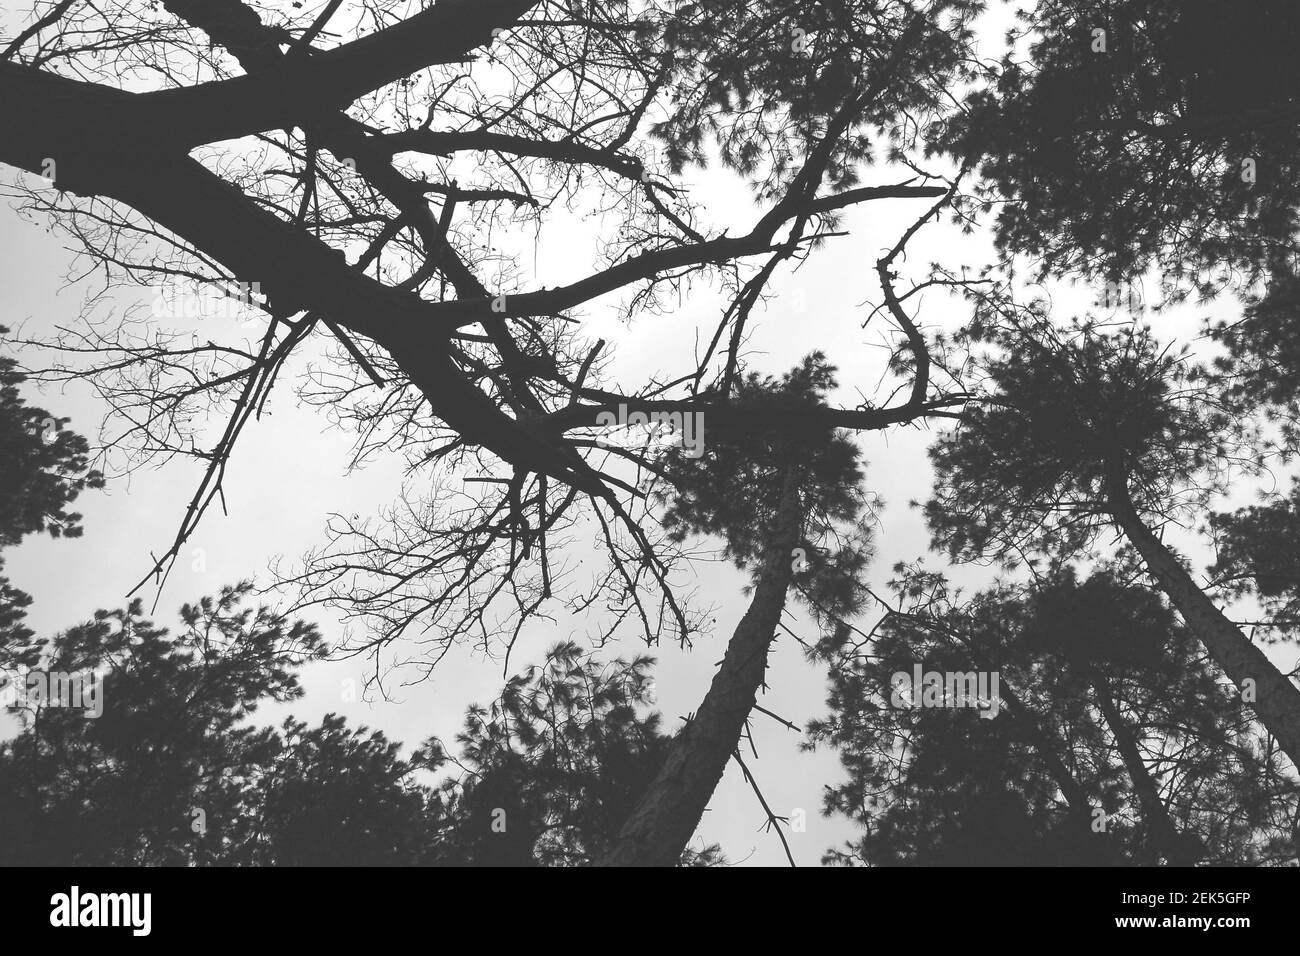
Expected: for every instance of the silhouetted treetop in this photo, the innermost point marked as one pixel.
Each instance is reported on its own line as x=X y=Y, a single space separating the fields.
x=172 y=771
x=1068 y=409
x=43 y=465
x=1130 y=133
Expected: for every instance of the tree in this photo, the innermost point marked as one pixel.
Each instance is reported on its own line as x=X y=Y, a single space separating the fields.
x=1148 y=134
x=161 y=774
x=1257 y=555
x=516 y=388
x=931 y=786
x=554 y=766
x=369 y=182
x=773 y=500
x=43 y=468
x=1086 y=429
x=1135 y=133
x=174 y=771
x=1104 y=633
x=372 y=192
x=1113 y=743
x=1261 y=368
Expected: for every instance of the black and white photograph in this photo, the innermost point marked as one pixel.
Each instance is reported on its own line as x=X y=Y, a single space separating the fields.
x=716 y=434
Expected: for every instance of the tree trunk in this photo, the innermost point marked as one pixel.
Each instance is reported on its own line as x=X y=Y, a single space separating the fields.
x=1163 y=836
x=659 y=828
x=1277 y=700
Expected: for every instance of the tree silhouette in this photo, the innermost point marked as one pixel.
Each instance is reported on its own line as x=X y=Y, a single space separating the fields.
x=1156 y=131
x=174 y=771
x=373 y=190
x=1257 y=554
x=1114 y=745
x=554 y=766
x=43 y=468
x=346 y=243
x=122 y=787
x=1090 y=429
x=411 y=211
x=774 y=500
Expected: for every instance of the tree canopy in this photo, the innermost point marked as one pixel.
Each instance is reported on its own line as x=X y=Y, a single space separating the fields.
x=175 y=770
x=443 y=226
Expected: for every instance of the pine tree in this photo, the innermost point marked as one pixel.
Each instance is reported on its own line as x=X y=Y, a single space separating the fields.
x=1113 y=745
x=43 y=468
x=176 y=770
x=1089 y=429
x=772 y=496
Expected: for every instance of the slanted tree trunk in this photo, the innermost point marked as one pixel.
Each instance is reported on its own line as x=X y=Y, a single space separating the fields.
x=662 y=823
x=1277 y=700
x=1164 y=837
